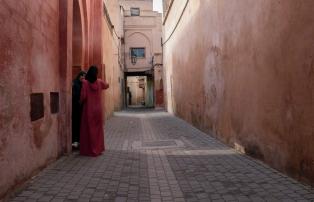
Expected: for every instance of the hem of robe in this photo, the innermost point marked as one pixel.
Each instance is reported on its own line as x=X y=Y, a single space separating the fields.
x=91 y=154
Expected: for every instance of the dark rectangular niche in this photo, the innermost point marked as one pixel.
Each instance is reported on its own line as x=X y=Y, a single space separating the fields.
x=37 y=106
x=54 y=102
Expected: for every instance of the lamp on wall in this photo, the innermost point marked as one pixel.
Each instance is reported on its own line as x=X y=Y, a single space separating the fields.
x=133 y=59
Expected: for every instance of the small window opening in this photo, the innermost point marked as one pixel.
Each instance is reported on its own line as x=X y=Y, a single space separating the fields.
x=135 y=11
x=138 y=52
x=54 y=102
x=37 y=106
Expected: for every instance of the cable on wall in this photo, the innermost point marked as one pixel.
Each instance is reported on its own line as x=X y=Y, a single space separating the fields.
x=186 y=4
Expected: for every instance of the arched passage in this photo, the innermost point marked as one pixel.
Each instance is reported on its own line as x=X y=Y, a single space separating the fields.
x=77 y=42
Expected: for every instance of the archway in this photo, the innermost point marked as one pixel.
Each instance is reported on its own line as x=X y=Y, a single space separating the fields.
x=77 y=42
x=77 y=55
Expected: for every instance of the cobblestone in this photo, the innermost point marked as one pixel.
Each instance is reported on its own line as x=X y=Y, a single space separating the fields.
x=153 y=156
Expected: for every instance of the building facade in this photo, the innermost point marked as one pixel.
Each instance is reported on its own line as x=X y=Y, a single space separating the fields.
x=43 y=46
x=113 y=57
x=243 y=72
x=142 y=47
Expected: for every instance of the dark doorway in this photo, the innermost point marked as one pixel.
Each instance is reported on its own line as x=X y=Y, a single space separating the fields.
x=76 y=69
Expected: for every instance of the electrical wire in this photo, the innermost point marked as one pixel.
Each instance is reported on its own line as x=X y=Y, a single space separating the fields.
x=186 y=4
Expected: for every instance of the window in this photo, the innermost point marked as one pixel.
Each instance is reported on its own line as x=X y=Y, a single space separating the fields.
x=135 y=11
x=54 y=102
x=37 y=106
x=138 y=52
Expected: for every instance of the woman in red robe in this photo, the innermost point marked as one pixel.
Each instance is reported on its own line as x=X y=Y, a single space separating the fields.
x=92 y=132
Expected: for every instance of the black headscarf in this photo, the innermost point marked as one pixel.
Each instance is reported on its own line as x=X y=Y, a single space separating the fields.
x=92 y=73
x=82 y=73
x=76 y=89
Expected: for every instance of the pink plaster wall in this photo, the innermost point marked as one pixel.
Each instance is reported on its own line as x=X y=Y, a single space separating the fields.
x=36 y=57
x=112 y=56
x=65 y=77
x=77 y=45
x=244 y=71
x=29 y=63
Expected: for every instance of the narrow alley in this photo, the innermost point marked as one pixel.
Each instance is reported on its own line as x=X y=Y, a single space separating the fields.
x=203 y=100
x=154 y=156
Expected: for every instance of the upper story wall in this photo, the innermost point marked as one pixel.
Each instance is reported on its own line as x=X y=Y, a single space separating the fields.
x=143 y=31
x=116 y=15
x=144 y=5
x=112 y=32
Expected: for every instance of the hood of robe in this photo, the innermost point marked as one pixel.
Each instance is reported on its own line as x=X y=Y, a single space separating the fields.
x=93 y=86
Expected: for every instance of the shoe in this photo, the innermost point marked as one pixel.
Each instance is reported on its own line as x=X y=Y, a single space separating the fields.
x=75 y=145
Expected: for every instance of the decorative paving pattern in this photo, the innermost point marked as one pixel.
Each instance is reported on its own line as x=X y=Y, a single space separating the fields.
x=160 y=143
x=153 y=156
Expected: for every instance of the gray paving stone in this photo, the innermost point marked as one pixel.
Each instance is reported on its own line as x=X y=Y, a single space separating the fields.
x=30 y=200
x=83 y=200
x=153 y=156
x=121 y=199
x=156 y=200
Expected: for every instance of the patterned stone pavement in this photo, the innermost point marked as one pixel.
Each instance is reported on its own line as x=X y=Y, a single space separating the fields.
x=153 y=156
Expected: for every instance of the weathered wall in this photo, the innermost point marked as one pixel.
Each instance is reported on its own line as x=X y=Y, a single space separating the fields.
x=139 y=39
x=244 y=70
x=29 y=63
x=77 y=45
x=112 y=56
x=36 y=57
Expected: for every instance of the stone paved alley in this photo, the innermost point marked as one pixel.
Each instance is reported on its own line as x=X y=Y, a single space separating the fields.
x=153 y=156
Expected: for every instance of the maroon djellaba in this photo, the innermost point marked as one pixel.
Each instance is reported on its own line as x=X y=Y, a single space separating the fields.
x=92 y=132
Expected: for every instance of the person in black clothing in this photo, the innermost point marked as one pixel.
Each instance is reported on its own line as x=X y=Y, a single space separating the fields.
x=130 y=96
x=76 y=108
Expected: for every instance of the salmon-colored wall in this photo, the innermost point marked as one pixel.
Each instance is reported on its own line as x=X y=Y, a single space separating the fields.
x=112 y=57
x=244 y=71
x=77 y=45
x=36 y=57
x=65 y=77
x=29 y=63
